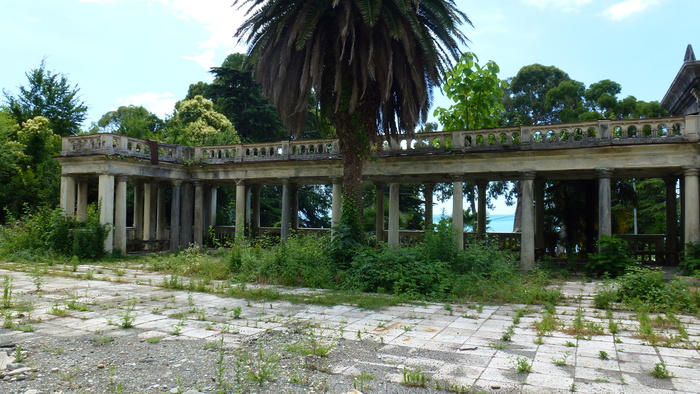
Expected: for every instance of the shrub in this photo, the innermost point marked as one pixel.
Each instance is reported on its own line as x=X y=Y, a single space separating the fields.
x=400 y=271
x=690 y=259
x=299 y=261
x=48 y=230
x=612 y=259
x=647 y=286
x=606 y=296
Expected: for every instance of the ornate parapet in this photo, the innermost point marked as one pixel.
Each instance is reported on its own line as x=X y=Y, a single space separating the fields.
x=560 y=136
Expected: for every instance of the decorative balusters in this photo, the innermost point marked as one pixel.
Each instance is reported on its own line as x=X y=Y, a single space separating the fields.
x=602 y=132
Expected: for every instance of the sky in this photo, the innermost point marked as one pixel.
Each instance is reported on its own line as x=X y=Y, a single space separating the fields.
x=148 y=52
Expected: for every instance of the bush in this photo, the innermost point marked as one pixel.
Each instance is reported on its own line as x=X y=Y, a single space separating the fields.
x=49 y=231
x=298 y=261
x=612 y=259
x=647 y=286
x=690 y=259
x=400 y=271
x=606 y=296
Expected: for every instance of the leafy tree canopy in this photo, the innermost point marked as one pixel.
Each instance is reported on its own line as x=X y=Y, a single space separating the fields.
x=134 y=121
x=50 y=95
x=477 y=92
x=29 y=176
x=197 y=123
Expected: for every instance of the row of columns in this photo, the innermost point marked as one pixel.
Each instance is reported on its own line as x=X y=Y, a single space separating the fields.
x=193 y=207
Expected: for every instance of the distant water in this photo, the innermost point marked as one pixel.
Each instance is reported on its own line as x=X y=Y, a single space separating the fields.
x=496 y=223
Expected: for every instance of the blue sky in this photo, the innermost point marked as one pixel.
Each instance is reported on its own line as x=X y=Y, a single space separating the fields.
x=147 y=52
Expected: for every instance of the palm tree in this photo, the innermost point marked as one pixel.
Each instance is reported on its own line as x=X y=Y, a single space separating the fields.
x=372 y=63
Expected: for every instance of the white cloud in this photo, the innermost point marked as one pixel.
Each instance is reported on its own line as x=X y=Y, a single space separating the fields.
x=564 y=5
x=96 y=1
x=161 y=104
x=628 y=8
x=220 y=20
x=204 y=59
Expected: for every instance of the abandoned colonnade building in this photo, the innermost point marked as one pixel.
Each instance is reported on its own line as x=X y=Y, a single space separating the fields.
x=603 y=150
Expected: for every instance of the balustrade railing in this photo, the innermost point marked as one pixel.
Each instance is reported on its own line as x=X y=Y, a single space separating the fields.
x=570 y=135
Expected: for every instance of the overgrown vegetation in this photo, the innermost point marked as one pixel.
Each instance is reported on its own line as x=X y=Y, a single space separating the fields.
x=645 y=287
x=612 y=258
x=49 y=231
x=434 y=269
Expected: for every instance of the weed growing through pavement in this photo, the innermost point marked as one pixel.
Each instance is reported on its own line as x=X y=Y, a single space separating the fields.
x=236 y=312
x=7 y=288
x=603 y=355
x=155 y=339
x=522 y=364
x=19 y=356
x=361 y=382
x=547 y=324
x=507 y=335
x=100 y=339
x=127 y=320
x=38 y=277
x=414 y=378
x=661 y=372
x=220 y=367
x=177 y=328
x=561 y=362
x=583 y=328
x=313 y=344
x=262 y=366
x=57 y=311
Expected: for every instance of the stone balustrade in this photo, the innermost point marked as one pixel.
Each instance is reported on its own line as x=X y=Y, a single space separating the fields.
x=569 y=135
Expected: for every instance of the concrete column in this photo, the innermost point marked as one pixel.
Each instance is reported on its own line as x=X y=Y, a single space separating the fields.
x=681 y=227
x=249 y=205
x=255 y=210
x=379 y=215
x=175 y=216
x=692 y=205
x=161 y=232
x=539 y=216
x=458 y=213
x=336 y=202
x=147 y=209
x=68 y=195
x=186 y=213
x=154 y=212
x=671 y=221
x=481 y=208
x=394 y=212
x=213 y=195
x=106 y=199
x=138 y=210
x=294 y=205
x=82 y=201
x=120 y=215
x=240 y=210
x=198 y=213
x=286 y=210
x=527 y=234
x=428 y=194
x=604 y=202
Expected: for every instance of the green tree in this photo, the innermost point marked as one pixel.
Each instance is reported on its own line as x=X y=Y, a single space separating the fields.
x=29 y=176
x=133 y=121
x=525 y=101
x=477 y=92
x=372 y=64
x=196 y=123
x=239 y=97
x=50 y=95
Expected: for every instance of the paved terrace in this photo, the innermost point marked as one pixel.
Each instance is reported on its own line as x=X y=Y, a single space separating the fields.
x=457 y=347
